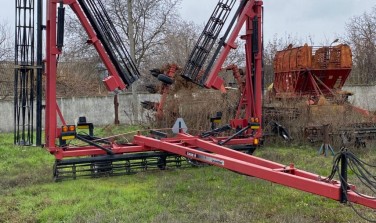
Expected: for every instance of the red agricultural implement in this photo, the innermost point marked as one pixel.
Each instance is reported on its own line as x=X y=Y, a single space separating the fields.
x=245 y=126
x=218 y=147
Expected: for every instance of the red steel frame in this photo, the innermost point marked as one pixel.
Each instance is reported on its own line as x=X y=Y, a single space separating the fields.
x=52 y=131
x=112 y=82
x=251 y=98
x=164 y=91
x=184 y=144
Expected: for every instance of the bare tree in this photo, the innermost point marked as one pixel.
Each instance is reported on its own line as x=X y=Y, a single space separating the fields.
x=150 y=20
x=142 y=25
x=6 y=44
x=75 y=43
x=6 y=66
x=132 y=46
x=361 y=36
x=178 y=42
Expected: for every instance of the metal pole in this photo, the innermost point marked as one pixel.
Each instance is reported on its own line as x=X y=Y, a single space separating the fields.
x=39 y=89
x=15 y=111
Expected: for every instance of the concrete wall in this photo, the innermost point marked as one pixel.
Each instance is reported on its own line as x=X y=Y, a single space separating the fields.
x=364 y=96
x=99 y=110
x=6 y=116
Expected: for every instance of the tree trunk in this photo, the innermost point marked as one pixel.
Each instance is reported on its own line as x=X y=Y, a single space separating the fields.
x=116 y=107
x=133 y=56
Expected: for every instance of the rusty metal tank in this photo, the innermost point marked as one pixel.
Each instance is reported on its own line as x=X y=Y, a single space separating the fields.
x=310 y=70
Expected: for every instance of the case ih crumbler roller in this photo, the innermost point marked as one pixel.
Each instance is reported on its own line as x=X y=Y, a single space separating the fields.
x=104 y=156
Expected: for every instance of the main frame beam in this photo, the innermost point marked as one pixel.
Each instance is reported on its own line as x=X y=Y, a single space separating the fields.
x=252 y=166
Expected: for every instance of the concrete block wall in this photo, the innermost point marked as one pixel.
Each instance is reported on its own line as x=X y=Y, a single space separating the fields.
x=6 y=116
x=98 y=110
x=364 y=96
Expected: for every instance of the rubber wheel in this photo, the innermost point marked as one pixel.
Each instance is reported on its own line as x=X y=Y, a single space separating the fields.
x=101 y=168
x=161 y=163
x=165 y=79
x=56 y=172
x=155 y=72
x=152 y=89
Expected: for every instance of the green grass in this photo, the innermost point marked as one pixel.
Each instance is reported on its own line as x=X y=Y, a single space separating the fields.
x=209 y=194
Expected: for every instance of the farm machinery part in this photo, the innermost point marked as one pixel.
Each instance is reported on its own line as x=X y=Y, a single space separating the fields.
x=105 y=156
x=125 y=164
x=248 y=14
x=25 y=75
x=359 y=133
x=356 y=134
x=166 y=79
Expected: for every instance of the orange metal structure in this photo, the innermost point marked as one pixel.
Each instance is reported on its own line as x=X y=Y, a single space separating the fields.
x=309 y=70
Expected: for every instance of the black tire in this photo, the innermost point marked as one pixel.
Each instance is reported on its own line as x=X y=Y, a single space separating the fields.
x=148 y=105
x=152 y=89
x=161 y=163
x=165 y=79
x=56 y=172
x=155 y=72
x=102 y=168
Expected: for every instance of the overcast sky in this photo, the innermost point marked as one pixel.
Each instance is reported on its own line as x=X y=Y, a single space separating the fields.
x=324 y=20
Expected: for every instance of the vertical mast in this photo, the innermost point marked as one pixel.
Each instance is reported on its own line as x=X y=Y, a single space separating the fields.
x=24 y=73
x=39 y=89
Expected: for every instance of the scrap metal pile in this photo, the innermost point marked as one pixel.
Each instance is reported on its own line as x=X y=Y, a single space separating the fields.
x=307 y=93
